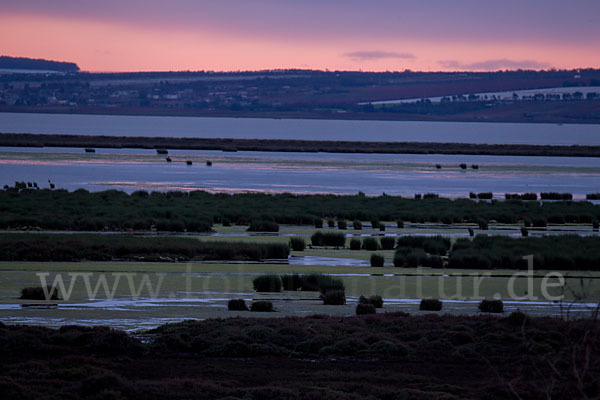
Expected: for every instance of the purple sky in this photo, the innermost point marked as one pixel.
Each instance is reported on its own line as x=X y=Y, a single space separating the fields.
x=334 y=34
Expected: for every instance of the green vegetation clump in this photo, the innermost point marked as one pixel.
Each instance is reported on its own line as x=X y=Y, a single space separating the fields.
x=363 y=309
x=342 y=224
x=355 y=244
x=318 y=223
x=370 y=243
x=356 y=224
x=377 y=260
x=261 y=306
x=400 y=224
x=237 y=305
x=267 y=283
x=334 y=239
x=387 y=243
x=297 y=244
x=430 y=305
x=491 y=306
x=375 y=223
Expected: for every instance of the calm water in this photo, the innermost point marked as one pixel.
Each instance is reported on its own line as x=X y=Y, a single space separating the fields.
x=133 y=169
x=464 y=132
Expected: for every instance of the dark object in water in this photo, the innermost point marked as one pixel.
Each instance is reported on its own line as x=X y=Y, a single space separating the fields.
x=229 y=149
x=161 y=151
x=475 y=166
x=438 y=166
x=90 y=150
x=40 y=306
x=208 y=163
x=52 y=186
x=168 y=159
x=188 y=162
x=463 y=166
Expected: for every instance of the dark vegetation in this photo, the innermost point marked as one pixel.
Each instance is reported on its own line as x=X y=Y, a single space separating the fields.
x=197 y=211
x=383 y=356
x=491 y=306
x=297 y=244
x=334 y=297
x=355 y=244
x=375 y=300
x=565 y=252
x=370 y=243
x=37 y=293
x=334 y=239
x=310 y=282
x=377 y=260
x=262 y=306
x=263 y=226
x=430 y=305
x=91 y=247
x=267 y=283
x=365 y=308
x=237 y=305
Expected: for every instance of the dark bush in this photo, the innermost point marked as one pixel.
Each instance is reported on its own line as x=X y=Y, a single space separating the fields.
x=297 y=244
x=381 y=227
x=362 y=309
x=433 y=262
x=376 y=301
x=517 y=318
x=483 y=224
x=431 y=196
x=331 y=223
x=471 y=232
x=400 y=224
x=356 y=224
x=318 y=223
x=335 y=239
x=592 y=196
x=263 y=226
x=556 y=196
x=261 y=306
x=377 y=260
x=524 y=232
x=491 y=306
x=237 y=305
x=485 y=195
x=462 y=166
x=387 y=243
x=334 y=297
x=342 y=224
x=595 y=225
x=375 y=223
x=430 y=305
x=539 y=222
x=472 y=195
x=37 y=293
x=267 y=283
x=355 y=244
x=370 y=243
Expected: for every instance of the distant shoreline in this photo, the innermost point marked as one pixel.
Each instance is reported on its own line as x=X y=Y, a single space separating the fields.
x=284 y=145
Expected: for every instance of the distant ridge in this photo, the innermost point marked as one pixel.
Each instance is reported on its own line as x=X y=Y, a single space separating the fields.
x=7 y=62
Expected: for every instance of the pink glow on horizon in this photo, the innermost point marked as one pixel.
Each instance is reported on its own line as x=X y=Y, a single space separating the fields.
x=100 y=45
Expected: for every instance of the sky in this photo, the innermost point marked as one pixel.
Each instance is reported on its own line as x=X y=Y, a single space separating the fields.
x=376 y=35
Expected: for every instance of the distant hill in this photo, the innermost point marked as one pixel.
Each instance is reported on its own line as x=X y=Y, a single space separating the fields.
x=36 y=64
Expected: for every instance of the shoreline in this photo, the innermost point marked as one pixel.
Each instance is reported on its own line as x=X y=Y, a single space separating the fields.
x=298 y=146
